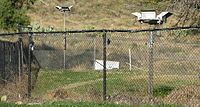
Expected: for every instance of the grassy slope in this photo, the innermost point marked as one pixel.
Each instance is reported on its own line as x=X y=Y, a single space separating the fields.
x=87 y=14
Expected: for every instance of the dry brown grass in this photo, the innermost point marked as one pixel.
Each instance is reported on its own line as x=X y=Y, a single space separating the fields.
x=188 y=95
x=85 y=14
x=15 y=90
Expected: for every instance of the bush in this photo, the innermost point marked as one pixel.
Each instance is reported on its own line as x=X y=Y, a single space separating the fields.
x=12 y=13
x=162 y=91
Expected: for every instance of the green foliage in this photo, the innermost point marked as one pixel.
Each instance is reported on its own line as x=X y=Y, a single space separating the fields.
x=13 y=12
x=162 y=90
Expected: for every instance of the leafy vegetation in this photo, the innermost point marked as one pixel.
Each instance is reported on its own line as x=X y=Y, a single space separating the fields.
x=162 y=90
x=13 y=12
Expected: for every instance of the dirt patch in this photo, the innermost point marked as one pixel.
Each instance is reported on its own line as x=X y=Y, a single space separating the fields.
x=62 y=94
x=17 y=91
x=66 y=92
x=77 y=84
x=14 y=90
x=188 y=95
x=124 y=99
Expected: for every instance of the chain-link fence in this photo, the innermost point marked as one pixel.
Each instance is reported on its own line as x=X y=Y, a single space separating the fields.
x=11 y=72
x=120 y=66
x=17 y=78
x=9 y=61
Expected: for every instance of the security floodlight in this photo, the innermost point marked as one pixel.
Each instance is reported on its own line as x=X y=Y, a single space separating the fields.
x=149 y=16
x=64 y=8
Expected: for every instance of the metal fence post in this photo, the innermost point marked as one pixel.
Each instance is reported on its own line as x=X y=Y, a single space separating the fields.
x=4 y=64
x=65 y=47
x=65 y=43
x=29 y=63
x=94 y=43
x=20 y=53
x=150 y=67
x=104 y=66
x=19 y=61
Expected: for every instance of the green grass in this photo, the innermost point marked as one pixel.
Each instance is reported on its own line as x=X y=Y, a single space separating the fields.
x=52 y=79
x=89 y=83
x=162 y=90
x=83 y=104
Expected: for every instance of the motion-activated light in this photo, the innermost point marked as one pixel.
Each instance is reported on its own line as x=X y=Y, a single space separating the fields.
x=149 y=16
x=64 y=8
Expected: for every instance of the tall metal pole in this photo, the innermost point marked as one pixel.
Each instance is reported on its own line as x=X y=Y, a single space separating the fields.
x=104 y=66
x=150 y=67
x=65 y=42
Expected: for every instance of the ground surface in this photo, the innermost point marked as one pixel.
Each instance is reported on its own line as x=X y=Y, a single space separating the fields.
x=122 y=87
x=82 y=104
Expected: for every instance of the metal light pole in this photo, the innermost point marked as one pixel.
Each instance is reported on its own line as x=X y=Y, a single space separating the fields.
x=150 y=17
x=65 y=42
x=64 y=9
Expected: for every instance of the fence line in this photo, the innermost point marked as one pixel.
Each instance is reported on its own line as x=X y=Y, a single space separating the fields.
x=102 y=30
x=138 y=58
x=9 y=61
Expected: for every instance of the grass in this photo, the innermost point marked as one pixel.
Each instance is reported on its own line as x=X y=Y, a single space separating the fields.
x=83 y=104
x=52 y=79
x=89 y=84
x=162 y=90
x=84 y=14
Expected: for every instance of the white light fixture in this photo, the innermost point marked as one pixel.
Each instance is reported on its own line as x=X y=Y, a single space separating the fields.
x=64 y=8
x=149 y=16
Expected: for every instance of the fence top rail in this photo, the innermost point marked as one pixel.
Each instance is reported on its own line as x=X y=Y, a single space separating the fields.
x=102 y=30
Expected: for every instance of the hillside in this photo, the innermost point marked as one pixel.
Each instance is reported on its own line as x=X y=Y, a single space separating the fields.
x=90 y=14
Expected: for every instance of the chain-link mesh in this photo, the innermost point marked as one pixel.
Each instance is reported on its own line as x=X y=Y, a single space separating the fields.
x=176 y=66
x=14 y=62
x=160 y=66
x=9 y=61
x=10 y=67
x=128 y=84
x=77 y=80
